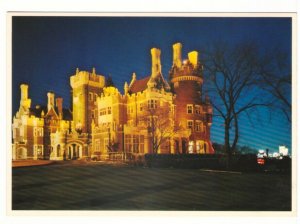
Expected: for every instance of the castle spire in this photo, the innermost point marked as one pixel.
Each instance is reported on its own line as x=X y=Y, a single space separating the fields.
x=126 y=88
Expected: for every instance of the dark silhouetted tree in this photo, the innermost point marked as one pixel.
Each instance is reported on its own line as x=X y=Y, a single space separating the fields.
x=275 y=71
x=233 y=76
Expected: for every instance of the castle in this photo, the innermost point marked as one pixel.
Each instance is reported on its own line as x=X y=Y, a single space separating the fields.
x=152 y=116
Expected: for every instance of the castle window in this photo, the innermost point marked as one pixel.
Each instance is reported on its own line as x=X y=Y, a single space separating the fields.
x=141 y=143
x=102 y=111
x=90 y=96
x=197 y=109
x=189 y=108
x=97 y=146
x=190 y=124
x=197 y=126
x=109 y=110
x=141 y=107
x=129 y=109
x=95 y=97
x=38 y=132
x=38 y=150
x=152 y=120
x=135 y=141
x=152 y=104
x=128 y=143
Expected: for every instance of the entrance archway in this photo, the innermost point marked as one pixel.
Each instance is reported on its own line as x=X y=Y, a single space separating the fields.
x=74 y=151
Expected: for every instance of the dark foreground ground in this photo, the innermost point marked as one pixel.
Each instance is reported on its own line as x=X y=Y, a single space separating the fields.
x=98 y=186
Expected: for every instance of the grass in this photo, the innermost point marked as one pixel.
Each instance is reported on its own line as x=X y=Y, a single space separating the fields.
x=94 y=186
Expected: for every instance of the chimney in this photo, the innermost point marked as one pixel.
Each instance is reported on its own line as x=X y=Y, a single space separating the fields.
x=177 y=54
x=24 y=91
x=156 y=65
x=59 y=104
x=50 y=100
x=193 y=58
x=24 y=102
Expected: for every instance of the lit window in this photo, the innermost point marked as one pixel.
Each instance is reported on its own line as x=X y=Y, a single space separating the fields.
x=97 y=145
x=191 y=147
x=190 y=124
x=38 y=150
x=90 y=96
x=128 y=144
x=197 y=109
x=141 y=143
x=152 y=120
x=38 y=132
x=135 y=141
x=189 y=109
x=152 y=104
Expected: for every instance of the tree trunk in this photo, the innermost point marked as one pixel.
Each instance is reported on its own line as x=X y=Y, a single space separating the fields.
x=227 y=144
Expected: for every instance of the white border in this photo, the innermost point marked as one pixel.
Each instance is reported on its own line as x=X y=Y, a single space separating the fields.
x=136 y=6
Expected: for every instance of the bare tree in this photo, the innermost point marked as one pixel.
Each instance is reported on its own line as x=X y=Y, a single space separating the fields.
x=233 y=73
x=160 y=124
x=275 y=74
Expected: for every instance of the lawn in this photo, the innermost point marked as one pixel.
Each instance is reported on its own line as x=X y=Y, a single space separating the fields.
x=96 y=186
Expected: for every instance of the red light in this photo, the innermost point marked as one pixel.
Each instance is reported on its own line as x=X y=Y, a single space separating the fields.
x=261 y=161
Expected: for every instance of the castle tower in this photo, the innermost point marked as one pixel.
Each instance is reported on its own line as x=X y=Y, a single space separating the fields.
x=86 y=87
x=192 y=112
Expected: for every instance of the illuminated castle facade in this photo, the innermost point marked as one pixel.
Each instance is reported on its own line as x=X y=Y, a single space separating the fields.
x=152 y=116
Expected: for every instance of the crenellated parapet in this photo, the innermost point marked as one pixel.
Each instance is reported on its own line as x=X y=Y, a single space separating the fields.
x=188 y=69
x=87 y=78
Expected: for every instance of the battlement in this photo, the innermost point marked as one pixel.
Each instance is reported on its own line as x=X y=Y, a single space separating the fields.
x=187 y=67
x=87 y=78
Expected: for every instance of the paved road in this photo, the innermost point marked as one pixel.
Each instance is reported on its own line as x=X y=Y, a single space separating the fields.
x=99 y=186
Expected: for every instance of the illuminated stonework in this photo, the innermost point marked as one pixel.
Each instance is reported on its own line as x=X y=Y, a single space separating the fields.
x=152 y=116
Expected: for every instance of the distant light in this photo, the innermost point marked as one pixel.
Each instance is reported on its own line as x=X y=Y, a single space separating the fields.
x=261 y=151
x=261 y=161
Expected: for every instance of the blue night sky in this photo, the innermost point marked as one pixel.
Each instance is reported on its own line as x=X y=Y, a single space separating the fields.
x=47 y=50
